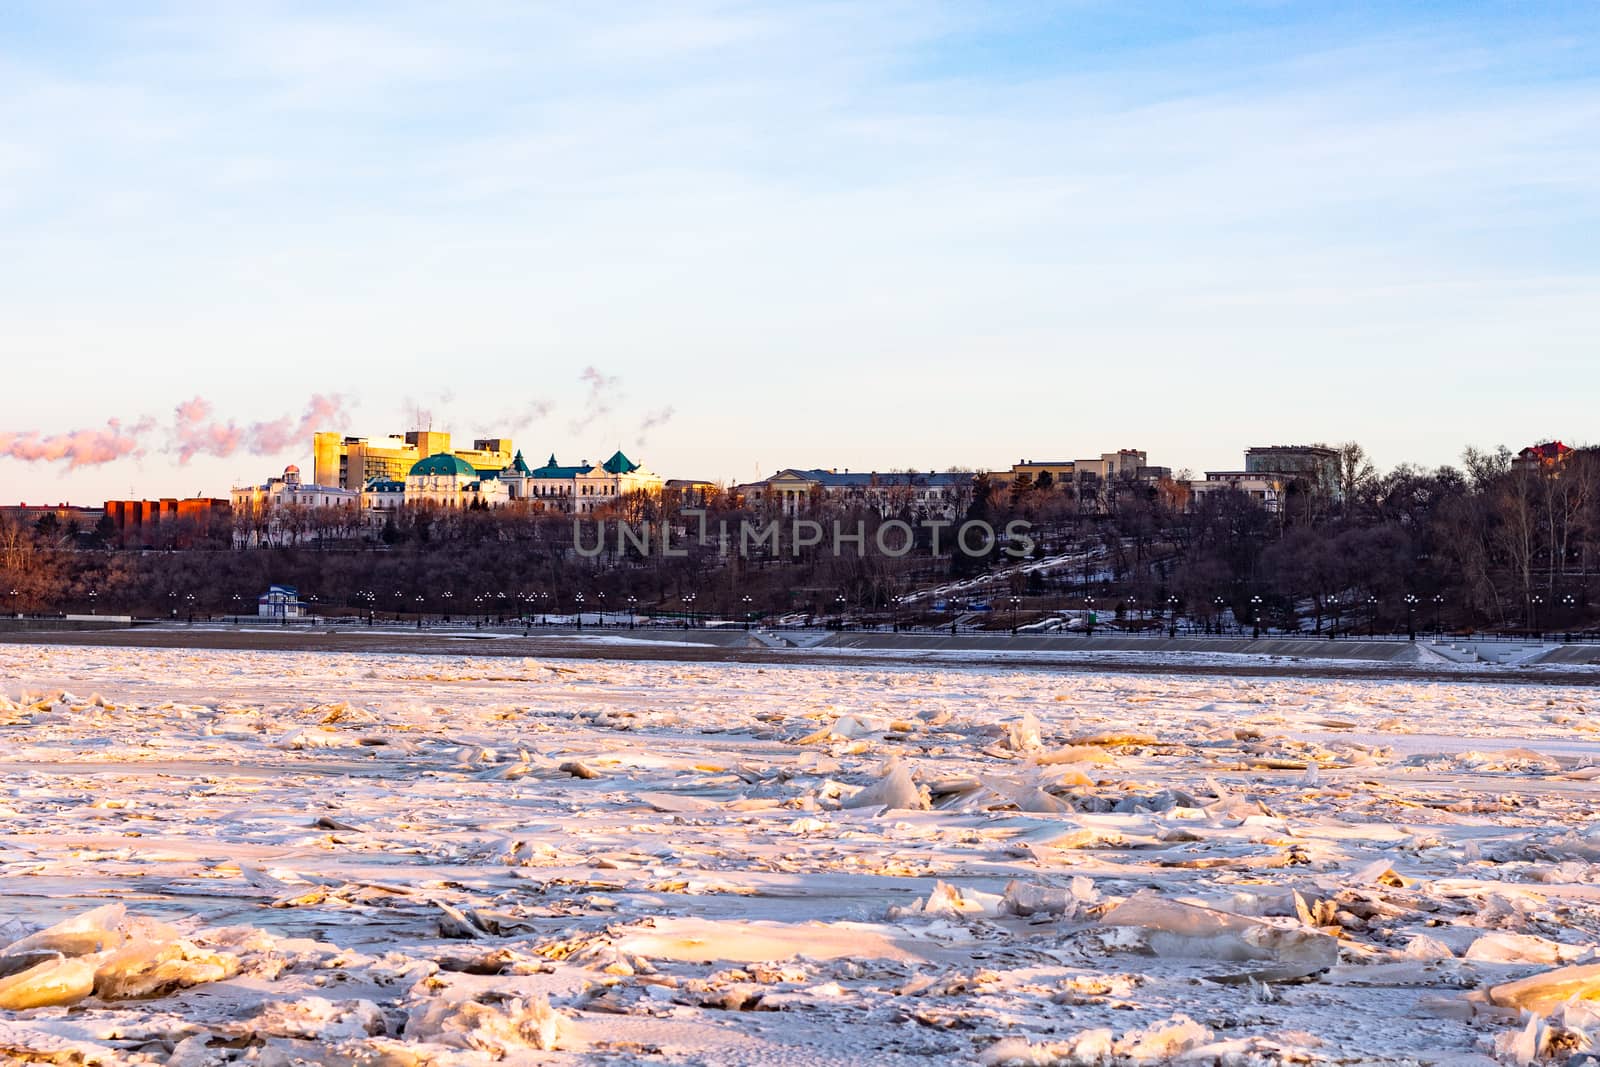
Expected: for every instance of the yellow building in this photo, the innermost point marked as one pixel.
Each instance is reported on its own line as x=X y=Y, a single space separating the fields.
x=352 y=462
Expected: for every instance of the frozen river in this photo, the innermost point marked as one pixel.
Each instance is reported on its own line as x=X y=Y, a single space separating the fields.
x=318 y=857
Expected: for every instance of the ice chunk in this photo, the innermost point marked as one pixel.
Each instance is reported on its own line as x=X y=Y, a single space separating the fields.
x=1378 y=872
x=948 y=901
x=1187 y=930
x=1085 y=1047
x=1523 y=1047
x=1023 y=899
x=319 y=1018
x=1544 y=992
x=1520 y=948
x=1028 y=796
x=58 y=981
x=1423 y=947
x=305 y=737
x=895 y=789
x=1075 y=754
x=146 y=968
x=1023 y=735
x=1160 y=1042
x=500 y=1031
x=91 y=931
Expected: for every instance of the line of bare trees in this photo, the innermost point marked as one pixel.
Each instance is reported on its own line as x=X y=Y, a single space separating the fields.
x=1491 y=543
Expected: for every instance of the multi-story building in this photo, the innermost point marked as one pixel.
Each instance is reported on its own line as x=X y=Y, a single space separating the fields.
x=1125 y=464
x=689 y=492
x=1265 y=488
x=1546 y=456
x=1272 y=472
x=168 y=521
x=1316 y=465
x=448 y=481
x=351 y=462
x=792 y=491
x=280 y=508
x=581 y=489
x=289 y=491
x=67 y=516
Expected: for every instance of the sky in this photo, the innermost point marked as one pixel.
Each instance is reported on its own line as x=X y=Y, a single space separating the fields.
x=731 y=238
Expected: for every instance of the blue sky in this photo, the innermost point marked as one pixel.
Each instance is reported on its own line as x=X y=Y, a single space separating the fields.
x=844 y=234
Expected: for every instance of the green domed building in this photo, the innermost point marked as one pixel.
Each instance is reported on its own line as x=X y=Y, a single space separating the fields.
x=449 y=481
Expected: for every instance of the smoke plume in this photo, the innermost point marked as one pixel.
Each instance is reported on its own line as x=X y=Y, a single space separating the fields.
x=80 y=448
x=653 y=419
x=529 y=414
x=603 y=392
x=196 y=432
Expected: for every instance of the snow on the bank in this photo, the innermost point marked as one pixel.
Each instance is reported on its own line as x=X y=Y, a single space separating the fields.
x=284 y=857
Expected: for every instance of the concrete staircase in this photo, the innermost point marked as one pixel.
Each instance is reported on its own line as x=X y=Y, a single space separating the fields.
x=1500 y=653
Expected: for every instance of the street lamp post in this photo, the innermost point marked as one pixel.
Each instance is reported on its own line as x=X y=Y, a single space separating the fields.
x=93 y=594
x=1172 y=615
x=189 y=606
x=601 y=607
x=633 y=610
x=839 y=603
x=1016 y=602
x=1372 y=615
x=1218 y=603
x=1255 y=617
x=1569 y=602
x=688 y=610
x=749 y=616
x=1438 y=602
x=577 y=598
x=1411 y=616
x=447 y=596
x=238 y=608
x=1088 y=615
x=421 y=604
x=897 y=600
x=1533 y=611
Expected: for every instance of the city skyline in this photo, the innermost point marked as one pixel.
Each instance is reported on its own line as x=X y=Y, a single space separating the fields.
x=735 y=239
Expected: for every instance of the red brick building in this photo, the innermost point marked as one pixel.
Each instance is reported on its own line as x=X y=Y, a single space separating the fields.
x=168 y=522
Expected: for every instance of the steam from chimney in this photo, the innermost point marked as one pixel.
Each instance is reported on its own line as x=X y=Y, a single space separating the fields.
x=80 y=448
x=196 y=433
x=603 y=391
x=652 y=419
x=529 y=414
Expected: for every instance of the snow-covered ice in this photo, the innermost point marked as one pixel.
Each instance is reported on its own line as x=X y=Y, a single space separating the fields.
x=329 y=858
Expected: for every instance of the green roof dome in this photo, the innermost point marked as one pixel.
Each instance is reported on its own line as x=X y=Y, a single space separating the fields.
x=443 y=464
